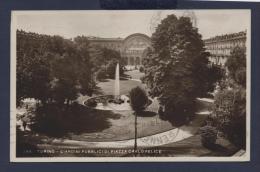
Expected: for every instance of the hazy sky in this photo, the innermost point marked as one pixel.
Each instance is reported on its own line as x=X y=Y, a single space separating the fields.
x=123 y=23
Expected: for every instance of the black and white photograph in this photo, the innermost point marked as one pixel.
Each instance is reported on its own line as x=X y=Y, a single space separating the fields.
x=130 y=85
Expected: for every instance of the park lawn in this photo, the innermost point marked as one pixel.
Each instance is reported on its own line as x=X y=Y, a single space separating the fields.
x=134 y=74
x=122 y=128
x=108 y=87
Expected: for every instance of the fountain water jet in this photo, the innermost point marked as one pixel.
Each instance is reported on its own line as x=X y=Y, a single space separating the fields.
x=117 y=84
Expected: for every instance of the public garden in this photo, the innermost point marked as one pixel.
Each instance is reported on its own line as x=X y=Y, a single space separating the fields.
x=75 y=96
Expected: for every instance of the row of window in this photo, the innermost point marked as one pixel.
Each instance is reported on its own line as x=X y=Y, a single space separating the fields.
x=134 y=51
x=223 y=52
x=134 y=61
x=115 y=46
x=225 y=45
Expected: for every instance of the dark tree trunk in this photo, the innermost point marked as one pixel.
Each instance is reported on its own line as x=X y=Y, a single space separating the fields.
x=135 y=145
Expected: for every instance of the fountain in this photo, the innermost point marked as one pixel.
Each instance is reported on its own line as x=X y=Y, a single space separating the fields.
x=111 y=102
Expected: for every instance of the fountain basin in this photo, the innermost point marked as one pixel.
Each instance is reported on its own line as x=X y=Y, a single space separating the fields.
x=110 y=102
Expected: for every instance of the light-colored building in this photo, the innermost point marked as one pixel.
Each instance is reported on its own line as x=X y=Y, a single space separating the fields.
x=221 y=46
x=132 y=48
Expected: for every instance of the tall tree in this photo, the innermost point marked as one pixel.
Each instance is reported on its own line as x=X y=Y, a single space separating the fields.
x=138 y=100
x=64 y=73
x=33 y=73
x=177 y=68
x=86 y=65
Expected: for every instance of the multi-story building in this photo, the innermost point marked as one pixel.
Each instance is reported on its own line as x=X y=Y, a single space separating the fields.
x=220 y=47
x=132 y=48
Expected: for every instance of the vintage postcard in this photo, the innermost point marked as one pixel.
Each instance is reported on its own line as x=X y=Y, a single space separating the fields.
x=130 y=85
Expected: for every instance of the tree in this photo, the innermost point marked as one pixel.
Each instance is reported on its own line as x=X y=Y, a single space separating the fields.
x=229 y=115
x=111 y=66
x=177 y=69
x=138 y=101
x=110 y=58
x=65 y=80
x=229 y=112
x=236 y=65
x=73 y=71
x=33 y=74
x=86 y=65
x=53 y=69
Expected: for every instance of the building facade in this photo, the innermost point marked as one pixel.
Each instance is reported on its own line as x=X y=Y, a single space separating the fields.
x=220 y=47
x=132 y=48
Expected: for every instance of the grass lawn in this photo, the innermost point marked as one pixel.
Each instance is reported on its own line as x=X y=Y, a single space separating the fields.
x=122 y=128
x=107 y=87
x=135 y=74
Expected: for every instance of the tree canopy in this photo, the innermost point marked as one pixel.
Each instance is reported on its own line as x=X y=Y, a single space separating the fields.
x=236 y=65
x=177 y=69
x=109 y=62
x=54 y=69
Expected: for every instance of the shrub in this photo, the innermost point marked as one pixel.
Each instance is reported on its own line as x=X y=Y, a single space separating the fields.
x=161 y=113
x=208 y=135
x=111 y=68
x=101 y=74
x=141 y=69
x=230 y=114
x=179 y=113
x=91 y=103
x=138 y=99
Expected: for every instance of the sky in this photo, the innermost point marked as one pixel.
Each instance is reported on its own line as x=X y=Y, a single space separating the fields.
x=121 y=23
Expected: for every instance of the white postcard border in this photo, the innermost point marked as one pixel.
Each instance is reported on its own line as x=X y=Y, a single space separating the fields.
x=13 y=111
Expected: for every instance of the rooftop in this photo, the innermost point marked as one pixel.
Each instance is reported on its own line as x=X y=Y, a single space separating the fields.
x=227 y=36
x=94 y=38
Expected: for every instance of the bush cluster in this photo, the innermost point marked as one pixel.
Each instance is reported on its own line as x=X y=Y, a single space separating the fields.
x=91 y=103
x=141 y=69
x=208 y=135
x=229 y=115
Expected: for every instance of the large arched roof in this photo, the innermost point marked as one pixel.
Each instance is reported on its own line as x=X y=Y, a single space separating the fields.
x=138 y=35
